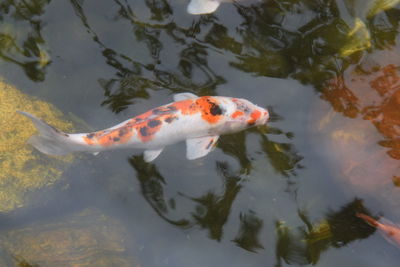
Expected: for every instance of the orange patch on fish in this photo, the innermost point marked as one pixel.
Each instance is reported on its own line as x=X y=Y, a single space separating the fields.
x=147 y=129
x=255 y=115
x=207 y=106
x=236 y=114
x=107 y=138
x=187 y=107
x=210 y=110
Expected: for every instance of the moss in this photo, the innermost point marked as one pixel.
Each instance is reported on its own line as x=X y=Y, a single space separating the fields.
x=22 y=168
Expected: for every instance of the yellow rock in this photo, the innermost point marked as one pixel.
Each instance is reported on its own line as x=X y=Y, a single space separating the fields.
x=23 y=169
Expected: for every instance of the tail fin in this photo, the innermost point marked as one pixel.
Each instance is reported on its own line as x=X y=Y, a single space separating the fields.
x=198 y=7
x=50 y=140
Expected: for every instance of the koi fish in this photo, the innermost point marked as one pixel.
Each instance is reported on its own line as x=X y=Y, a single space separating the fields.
x=389 y=230
x=198 y=120
x=198 y=7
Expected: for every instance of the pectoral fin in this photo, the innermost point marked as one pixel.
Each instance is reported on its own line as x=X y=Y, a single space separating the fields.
x=199 y=147
x=198 y=7
x=184 y=96
x=150 y=155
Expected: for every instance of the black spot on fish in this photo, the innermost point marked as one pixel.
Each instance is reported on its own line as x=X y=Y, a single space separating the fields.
x=90 y=136
x=215 y=109
x=170 y=119
x=251 y=123
x=157 y=111
x=122 y=132
x=172 y=108
x=144 y=131
x=116 y=139
x=153 y=123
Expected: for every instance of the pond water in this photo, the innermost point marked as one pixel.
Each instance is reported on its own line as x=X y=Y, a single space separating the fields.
x=267 y=196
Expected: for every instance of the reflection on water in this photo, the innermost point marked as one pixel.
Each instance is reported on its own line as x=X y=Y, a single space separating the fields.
x=306 y=244
x=151 y=183
x=133 y=78
x=239 y=206
x=212 y=209
x=248 y=235
x=363 y=130
x=26 y=49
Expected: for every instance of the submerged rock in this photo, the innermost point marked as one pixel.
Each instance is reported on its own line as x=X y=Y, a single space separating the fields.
x=88 y=238
x=22 y=168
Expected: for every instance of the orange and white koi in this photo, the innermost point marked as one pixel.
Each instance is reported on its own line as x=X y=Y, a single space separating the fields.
x=198 y=120
x=389 y=230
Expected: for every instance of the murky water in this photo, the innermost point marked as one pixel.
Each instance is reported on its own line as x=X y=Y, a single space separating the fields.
x=276 y=196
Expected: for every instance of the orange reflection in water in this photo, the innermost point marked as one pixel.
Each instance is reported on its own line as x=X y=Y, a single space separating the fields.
x=363 y=131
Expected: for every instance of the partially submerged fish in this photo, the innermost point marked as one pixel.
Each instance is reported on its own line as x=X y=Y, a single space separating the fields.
x=198 y=120
x=198 y=7
x=389 y=230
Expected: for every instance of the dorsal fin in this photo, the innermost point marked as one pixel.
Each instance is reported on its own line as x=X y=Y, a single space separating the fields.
x=184 y=96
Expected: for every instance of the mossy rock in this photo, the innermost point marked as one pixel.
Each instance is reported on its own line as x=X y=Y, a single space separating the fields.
x=88 y=238
x=23 y=169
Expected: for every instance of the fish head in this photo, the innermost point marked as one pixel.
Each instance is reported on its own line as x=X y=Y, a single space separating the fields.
x=247 y=112
x=241 y=114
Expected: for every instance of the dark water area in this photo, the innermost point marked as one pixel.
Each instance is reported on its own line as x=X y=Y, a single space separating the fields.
x=281 y=195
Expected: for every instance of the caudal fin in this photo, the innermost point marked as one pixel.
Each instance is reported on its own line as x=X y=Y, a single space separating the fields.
x=50 y=140
x=198 y=7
